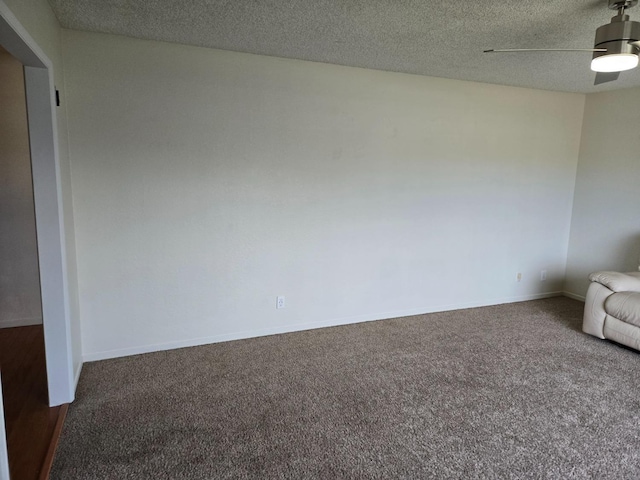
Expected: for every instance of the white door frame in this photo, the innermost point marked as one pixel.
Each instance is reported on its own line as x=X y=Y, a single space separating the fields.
x=47 y=196
x=47 y=192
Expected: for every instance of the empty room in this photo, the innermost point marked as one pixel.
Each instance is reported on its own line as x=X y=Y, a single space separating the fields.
x=335 y=239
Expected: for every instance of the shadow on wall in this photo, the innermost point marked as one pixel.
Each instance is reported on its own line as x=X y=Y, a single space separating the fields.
x=631 y=247
x=622 y=255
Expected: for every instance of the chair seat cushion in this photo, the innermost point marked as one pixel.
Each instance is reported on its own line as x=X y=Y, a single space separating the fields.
x=624 y=306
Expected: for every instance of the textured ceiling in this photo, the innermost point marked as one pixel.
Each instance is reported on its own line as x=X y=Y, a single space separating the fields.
x=429 y=37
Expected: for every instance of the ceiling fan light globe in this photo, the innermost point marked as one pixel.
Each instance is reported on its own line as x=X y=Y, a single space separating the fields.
x=614 y=62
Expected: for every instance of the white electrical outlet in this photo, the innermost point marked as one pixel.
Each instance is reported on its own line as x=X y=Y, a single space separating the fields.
x=279 y=302
x=519 y=276
x=543 y=275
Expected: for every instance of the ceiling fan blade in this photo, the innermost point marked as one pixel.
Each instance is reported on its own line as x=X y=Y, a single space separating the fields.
x=508 y=50
x=602 y=77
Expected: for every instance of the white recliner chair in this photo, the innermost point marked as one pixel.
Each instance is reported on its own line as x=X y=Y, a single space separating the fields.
x=612 y=307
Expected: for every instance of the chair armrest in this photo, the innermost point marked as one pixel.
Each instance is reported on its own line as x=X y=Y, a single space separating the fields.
x=618 y=282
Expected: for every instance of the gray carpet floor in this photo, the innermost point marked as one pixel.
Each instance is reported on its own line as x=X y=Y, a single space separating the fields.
x=508 y=391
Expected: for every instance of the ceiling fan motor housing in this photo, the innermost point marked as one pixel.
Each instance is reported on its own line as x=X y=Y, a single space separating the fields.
x=618 y=36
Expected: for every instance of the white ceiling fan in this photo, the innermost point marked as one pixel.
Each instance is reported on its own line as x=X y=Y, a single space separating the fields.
x=616 y=47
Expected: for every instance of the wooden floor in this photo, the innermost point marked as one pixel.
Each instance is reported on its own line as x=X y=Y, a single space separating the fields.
x=30 y=423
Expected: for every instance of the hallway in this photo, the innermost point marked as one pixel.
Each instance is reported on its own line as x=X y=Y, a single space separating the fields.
x=30 y=424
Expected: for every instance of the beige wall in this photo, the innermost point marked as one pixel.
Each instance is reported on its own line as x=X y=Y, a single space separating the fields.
x=19 y=278
x=206 y=183
x=605 y=228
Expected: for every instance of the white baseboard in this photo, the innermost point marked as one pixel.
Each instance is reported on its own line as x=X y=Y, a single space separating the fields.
x=575 y=296
x=20 y=322
x=194 y=342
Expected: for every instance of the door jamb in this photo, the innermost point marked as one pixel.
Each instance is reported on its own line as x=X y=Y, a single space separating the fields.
x=47 y=190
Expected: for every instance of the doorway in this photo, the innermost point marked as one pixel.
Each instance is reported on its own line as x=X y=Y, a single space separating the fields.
x=29 y=421
x=47 y=200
